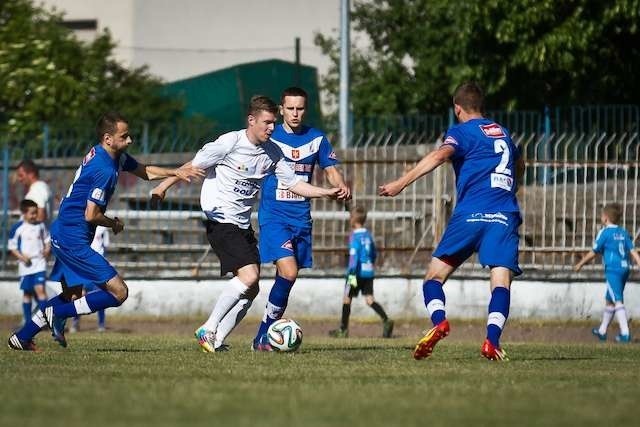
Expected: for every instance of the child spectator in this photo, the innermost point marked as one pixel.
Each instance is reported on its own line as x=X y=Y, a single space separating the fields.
x=360 y=274
x=30 y=243
x=615 y=245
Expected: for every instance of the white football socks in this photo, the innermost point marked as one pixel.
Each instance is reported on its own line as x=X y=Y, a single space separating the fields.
x=226 y=301
x=607 y=315
x=621 y=317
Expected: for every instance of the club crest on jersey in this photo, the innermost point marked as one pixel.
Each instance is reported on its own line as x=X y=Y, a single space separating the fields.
x=295 y=154
x=242 y=168
x=287 y=245
x=492 y=131
x=90 y=155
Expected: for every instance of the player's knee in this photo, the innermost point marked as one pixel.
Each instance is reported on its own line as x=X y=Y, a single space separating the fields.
x=346 y=300
x=120 y=292
x=369 y=300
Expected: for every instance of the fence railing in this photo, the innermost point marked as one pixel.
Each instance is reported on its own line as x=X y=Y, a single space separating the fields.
x=569 y=176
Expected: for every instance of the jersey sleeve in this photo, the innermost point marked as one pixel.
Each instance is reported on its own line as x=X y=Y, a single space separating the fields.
x=100 y=186
x=46 y=237
x=353 y=255
x=212 y=153
x=628 y=241
x=326 y=154
x=128 y=163
x=374 y=250
x=598 y=244
x=286 y=176
x=454 y=139
x=14 y=236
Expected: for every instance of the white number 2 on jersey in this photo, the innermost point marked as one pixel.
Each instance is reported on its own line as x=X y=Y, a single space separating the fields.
x=501 y=146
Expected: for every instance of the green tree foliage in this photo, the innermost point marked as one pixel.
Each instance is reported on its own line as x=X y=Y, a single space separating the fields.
x=47 y=75
x=526 y=53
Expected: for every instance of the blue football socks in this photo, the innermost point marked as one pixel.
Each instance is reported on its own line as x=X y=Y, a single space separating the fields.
x=26 y=311
x=92 y=302
x=434 y=300
x=498 y=314
x=276 y=305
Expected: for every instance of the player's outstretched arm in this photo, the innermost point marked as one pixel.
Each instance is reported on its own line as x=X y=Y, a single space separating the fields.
x=334 y=176
x=424 y=166
x=185 y=172
x=305 y=189
x=585 y=259
x=159 y=191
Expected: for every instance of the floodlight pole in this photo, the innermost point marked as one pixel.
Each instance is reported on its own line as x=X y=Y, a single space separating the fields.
x=343 y=111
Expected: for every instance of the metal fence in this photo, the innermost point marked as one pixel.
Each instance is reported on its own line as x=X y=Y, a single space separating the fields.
x=569 y=176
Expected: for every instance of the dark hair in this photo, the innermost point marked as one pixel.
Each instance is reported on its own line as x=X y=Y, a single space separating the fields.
x=26 y=204
x=108 y=123
x=29 y=166
x=260 y=103
x=359 y=214
x=613 y=211
x=470 y=97
x=293 y=91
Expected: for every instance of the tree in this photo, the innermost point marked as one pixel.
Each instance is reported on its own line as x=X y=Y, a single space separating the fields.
x=525 y=53
x=47 y=75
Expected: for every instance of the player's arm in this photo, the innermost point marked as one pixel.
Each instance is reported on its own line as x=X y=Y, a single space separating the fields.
x=47 y=250
x=335 y=178
x=588 y=257
x=185 y=172
x=305 y=189
x=159 y=192
x=93 y=214
x=424 y=166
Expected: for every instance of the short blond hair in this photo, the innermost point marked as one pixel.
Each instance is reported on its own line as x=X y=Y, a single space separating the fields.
x=359 y=214
x=613 y=211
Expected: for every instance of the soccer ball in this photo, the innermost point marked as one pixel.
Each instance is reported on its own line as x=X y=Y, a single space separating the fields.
x=285 y=335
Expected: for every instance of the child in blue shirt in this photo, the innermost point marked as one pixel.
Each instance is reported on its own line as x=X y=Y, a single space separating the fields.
x=616 y=246
x=360 y=274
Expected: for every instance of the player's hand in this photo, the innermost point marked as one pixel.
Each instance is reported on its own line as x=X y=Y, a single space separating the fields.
x=157 y=195
x=577 y=267
x=187 y=172
x=352 y=280
x=27 y=261
x=344 y=193
x=332 y=193
x=118 y=225
x=391 y=189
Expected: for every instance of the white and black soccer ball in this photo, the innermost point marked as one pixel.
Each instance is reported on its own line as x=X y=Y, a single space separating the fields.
x=285 y=335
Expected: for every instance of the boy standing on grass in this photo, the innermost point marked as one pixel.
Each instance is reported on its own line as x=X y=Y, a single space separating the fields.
x=360 y=273
x=615 y=245
x=30 y=243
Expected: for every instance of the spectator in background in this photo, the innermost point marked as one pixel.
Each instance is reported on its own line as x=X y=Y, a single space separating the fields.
x=360 y=274
x=99 y=244
x=615 y=244
x=30 y=243
x=28 y=174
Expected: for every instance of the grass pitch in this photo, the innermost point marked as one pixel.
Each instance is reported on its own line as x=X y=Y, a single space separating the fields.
x=118 y=379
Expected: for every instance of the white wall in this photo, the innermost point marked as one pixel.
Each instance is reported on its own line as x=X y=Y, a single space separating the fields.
x=399 y=297
x=179 y=39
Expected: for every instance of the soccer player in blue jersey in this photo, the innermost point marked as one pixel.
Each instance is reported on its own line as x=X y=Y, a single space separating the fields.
x=485 y=220
x=285 y=217
x=81 y=211
x=616 y=246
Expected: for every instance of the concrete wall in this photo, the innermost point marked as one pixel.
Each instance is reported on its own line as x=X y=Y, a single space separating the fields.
x=399 y=297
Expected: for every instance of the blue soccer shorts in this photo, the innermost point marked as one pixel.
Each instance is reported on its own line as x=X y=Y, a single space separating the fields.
x=80 y=265
x=30 y=281
x=616 y=280
x=279 y=240
x=494 y=236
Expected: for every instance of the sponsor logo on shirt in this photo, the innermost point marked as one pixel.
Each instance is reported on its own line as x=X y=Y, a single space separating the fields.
x=98 y=194
x=287 y=245
x=90 y=155
x=295 y=154
x=242 y=168
x=492 y=131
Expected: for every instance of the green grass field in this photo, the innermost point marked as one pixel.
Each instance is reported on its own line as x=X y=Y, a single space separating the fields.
x=118 y=379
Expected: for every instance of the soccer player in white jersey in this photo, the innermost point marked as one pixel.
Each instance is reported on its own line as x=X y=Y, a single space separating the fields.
x=236 y=163
x=285 y=218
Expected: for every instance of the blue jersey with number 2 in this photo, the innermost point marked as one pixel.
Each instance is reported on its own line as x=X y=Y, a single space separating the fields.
x=484 y=164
